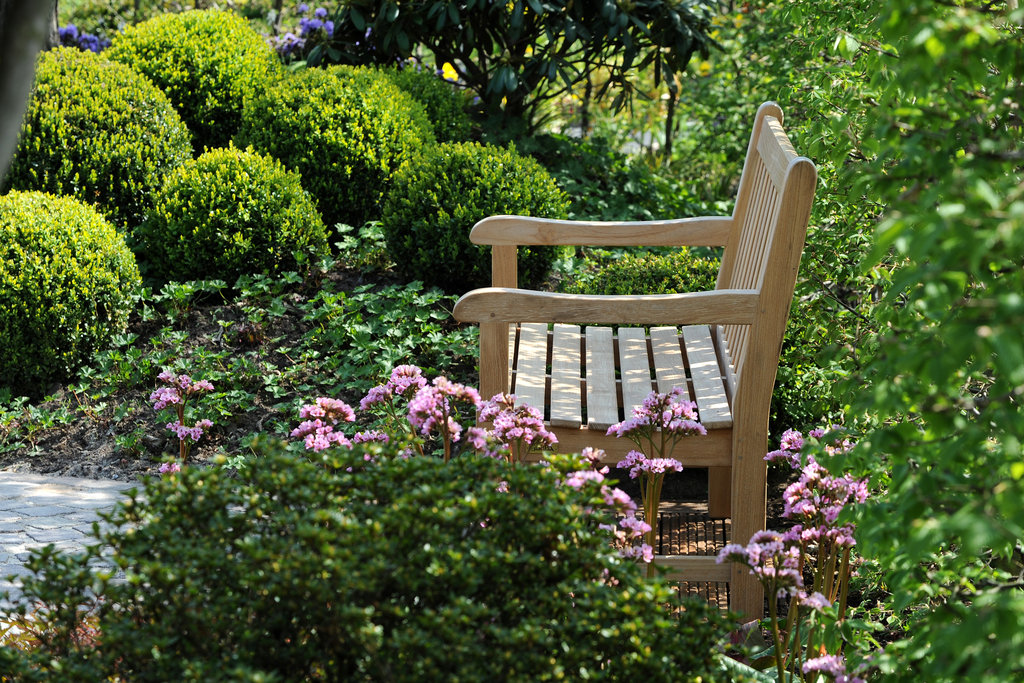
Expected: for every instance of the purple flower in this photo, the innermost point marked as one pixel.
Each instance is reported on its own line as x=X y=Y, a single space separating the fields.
x=373 y=436
x=68 y=35
x=170 y=468
x=330 y=408
x=830 y=665
x=302 y=8
x=642 y=552
x=320 y=13
x=434 y=407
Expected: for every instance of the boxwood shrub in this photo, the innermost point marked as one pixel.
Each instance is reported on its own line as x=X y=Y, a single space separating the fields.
x=208 y=62
x=644 y=273
x=99 y=131
x=343 y=569
x=443 y=104
x=346 y=130
x=66 y=280
x=228 y=213
x=440 y=194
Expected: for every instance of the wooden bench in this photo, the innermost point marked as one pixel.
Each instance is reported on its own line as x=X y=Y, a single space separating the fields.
x=722 y=345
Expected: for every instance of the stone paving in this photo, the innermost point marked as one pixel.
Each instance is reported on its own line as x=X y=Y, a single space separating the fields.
x=37 y=510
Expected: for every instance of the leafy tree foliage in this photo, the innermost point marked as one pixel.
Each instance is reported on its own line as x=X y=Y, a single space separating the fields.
x=515 y=55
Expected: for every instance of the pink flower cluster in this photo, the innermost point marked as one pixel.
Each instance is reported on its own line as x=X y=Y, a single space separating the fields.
x=670 y=413
x=831 y=665
x=404 y=382
x=176 y=393
x=435 y=407
x=520 y=427
x=771 y=558
x=639 y=465
x=318 y=432
x=193 y=433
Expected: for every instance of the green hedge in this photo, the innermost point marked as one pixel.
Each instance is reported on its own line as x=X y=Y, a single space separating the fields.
x=229 y=213
x=645 y=273
x=207 y=62
x=346 y=130
x=66 y=280
x=99 y=131
x=343 y=569
x=439 y=195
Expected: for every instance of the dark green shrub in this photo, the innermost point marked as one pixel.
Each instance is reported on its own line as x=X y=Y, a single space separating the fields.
x=399 y=569
x=97 y=130
x=444 y=106
x=439 y=195
x=206 y=62
x=66 y=278
x=345 y=130
x=647 y=273
x=228 y=213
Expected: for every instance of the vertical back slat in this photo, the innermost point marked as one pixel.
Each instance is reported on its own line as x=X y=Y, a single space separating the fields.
x=531 y=364
x=602 y=401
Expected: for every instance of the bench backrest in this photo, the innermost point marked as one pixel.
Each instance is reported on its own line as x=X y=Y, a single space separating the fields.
x=773 y=205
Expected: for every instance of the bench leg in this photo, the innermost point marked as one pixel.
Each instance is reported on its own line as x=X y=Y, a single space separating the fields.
x=719 y=492
x=746 y=596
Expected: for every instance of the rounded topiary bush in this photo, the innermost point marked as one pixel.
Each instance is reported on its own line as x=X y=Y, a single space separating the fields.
x=208 y=62
x=443 y=104
x=346 y=130
x=66 y=280
x=229 y=212
x=677 y=271
x=99 y=131
x=439 y=195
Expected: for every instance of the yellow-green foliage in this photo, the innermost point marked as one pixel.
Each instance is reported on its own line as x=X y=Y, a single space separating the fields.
x=677 y=271
x=439 y=195
x=445 y=106
x=228 y=213
x=345 y=130
x=207 y=62
x=66 y=278
x=99 y=131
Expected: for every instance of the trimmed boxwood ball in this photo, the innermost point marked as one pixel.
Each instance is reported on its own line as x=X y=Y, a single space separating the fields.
x=208 y=62
x=443 y=104
x=99 y=131
x=346 y=130
x=228 y=213
x=66 y=281
x=439 y=195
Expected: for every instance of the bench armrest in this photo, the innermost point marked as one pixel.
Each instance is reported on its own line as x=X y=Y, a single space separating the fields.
x=505 y=305
x=709 y=231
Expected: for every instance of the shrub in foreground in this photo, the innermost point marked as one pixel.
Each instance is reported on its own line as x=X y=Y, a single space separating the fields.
x=99 y=131
x=439 y=195
x=207 y=62
x=228 y=213
x=345 y=130
x=388 y=569
x=66 y=280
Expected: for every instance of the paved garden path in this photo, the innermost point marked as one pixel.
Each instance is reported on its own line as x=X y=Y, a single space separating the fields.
x=37 y=510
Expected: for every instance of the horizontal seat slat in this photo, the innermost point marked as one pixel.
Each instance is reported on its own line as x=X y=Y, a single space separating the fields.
x=566 y=391
x=602 y=403
x=708 y=388
x=531 y=363
x=668 y=359
x=634 y=367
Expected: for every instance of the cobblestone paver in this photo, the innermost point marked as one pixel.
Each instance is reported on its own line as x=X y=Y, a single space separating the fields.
x=38 y=510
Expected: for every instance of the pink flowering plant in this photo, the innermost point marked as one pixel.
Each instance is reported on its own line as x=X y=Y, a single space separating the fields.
x=810 y=564
x=656 y=427
x=175 y=396
x=414 y=409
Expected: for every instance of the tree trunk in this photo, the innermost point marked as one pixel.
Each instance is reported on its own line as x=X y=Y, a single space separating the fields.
x=24 y=29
